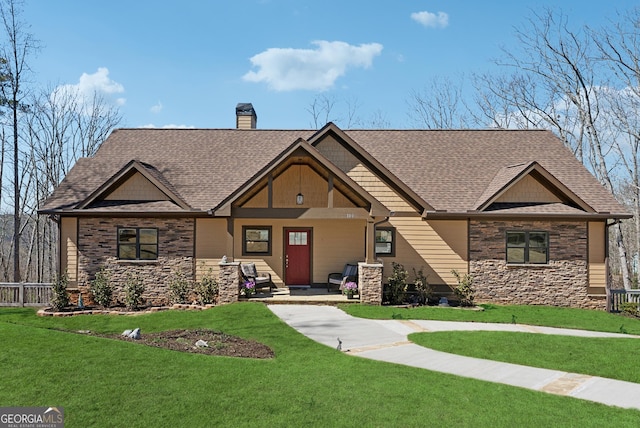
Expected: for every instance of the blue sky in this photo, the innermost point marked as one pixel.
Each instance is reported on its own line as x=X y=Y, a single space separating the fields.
x=188 y=63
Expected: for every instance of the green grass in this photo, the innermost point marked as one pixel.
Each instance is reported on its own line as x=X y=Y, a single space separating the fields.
x=605 y=357
x=534 y=315
x=103 y=382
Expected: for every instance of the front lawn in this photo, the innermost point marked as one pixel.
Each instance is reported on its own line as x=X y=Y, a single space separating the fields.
x=534 y=315
x=605 y=357
x=105 y=382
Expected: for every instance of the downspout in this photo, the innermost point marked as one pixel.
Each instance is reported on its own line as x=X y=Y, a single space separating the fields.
x=607 y=225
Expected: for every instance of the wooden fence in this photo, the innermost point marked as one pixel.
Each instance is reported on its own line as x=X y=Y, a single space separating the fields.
x=25 y=294
x=618 y=297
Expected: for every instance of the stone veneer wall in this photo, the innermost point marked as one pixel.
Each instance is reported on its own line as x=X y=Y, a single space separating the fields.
x=370 y=283
x=563 y=282
x=229 y=282
x=97 y=247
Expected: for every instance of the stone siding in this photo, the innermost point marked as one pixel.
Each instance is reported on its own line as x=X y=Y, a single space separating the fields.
x=229 y=282
x=561 y=282
x=97 y=247
x=370 y=283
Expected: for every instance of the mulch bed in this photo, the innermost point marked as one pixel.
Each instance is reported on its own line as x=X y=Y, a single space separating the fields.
x=220 y=344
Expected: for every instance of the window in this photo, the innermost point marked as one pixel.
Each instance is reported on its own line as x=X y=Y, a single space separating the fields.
x=256 y=240
x=528 y=247
x=137 y=243
x=385 y=238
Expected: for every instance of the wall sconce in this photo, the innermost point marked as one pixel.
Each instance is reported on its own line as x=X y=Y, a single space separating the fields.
x=299 y=196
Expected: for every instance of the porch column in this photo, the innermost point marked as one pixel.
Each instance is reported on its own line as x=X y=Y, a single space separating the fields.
x=370 y=283
x=229 y=246
x=228 y=282
x=370 y=252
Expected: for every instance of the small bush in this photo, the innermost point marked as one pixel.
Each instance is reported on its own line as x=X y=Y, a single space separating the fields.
x=179 y=288
x=60 y=298
x=464 y=290
x=630 y=308
x=206 y=289
x=133 y=290
x=424 y=292
x=101 y=288
x=397 y=286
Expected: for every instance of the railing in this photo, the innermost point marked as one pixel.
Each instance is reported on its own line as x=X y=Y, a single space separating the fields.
x=618 y=297
x=25 y=294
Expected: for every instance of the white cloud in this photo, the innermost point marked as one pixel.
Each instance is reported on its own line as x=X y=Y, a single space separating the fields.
x=156 y=108
x=288 y=69
x=429 y=19
x=89 y=86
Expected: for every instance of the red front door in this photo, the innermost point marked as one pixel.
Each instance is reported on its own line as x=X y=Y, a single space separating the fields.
x=297 y=256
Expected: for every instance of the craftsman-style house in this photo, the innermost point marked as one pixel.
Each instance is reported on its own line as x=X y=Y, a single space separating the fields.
x=513 y=208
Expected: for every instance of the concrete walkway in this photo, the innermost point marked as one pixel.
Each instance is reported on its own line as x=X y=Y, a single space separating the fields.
x=386 y=340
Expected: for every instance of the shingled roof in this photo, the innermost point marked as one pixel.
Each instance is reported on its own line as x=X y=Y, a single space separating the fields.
x=450 y=170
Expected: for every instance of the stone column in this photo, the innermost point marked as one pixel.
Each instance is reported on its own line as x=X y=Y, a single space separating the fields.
x=228 y=282
x=370 y=283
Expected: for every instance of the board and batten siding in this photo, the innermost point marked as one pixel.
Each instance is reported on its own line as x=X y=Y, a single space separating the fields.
x=137 y=188
x=528 y=189
x=298 y=179
x=69 y=248
x=597 y=258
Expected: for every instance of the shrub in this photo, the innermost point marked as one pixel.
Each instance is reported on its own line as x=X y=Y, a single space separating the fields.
x=423 y=290
x=206 y=289
x=101 y=288
x=179 y=288
x=464 y=290
x=133 y=290
x=397 y=286
x=630 y=308
x=60 y=298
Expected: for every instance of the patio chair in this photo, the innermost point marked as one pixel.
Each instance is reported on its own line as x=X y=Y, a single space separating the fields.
x=336 y=280
x=262 y=279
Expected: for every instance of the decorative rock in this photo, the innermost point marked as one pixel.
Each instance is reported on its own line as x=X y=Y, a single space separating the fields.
x=135 y=334
x=126 y=333
x=202 y=344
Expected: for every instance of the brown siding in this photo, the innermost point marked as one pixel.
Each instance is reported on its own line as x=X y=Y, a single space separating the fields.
x=597 y=259
x=528 y=189
x=211 y=235
x=348 y=163
x=137 y=188
x=335 y=242
x=69 y=248
x=437 y=247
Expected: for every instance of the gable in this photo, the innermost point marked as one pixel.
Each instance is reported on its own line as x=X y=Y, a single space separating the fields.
x=528 y=189
x=354 y=168
x=136 y=188
x=299 y=178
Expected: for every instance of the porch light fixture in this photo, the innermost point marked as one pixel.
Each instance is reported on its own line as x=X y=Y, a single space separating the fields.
x=299 y=196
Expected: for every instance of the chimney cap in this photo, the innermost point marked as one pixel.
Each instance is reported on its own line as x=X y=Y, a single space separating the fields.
x=245 y=109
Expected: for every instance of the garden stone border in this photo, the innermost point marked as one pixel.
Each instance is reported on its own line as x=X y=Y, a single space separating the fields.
x=46 y=312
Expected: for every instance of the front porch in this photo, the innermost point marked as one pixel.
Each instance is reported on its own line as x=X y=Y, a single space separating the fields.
x=312 y=296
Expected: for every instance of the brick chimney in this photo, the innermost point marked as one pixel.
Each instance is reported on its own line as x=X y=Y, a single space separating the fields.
x=246 y=117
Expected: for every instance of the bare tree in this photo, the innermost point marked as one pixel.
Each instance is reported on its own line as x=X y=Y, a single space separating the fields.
x=18 y=47
x=439 y=105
